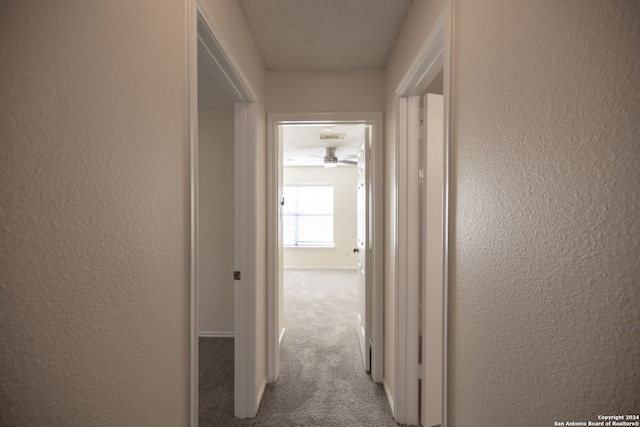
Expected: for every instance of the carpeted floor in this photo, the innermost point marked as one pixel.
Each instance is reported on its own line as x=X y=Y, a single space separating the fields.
x=322 y=379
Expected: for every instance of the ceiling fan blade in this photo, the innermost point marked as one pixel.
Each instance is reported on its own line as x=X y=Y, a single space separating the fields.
x=348 y=156
x=348 y=162
x=315 y=155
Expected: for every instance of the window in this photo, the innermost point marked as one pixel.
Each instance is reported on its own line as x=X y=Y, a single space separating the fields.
x=307 y=216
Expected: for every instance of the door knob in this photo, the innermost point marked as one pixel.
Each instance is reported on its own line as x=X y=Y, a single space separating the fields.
x=356 y=250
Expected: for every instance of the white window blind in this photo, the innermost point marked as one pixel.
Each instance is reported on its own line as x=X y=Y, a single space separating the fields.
x=307 y=215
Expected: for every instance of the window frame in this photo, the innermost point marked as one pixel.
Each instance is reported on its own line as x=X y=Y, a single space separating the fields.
x=296 y=241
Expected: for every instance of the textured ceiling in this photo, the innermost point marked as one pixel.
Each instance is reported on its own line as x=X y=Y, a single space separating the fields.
x=302 y=146
x=315 y=35
x=325 y=34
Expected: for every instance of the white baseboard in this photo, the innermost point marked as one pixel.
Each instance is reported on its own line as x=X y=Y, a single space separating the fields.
x=281 y=338
x=261 y=392
x=320 y=267
x=206 y=334
x=389 y=397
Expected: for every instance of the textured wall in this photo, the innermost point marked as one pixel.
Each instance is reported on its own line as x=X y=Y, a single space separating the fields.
x=215 y=221
x=94 y=304
x=545 y=283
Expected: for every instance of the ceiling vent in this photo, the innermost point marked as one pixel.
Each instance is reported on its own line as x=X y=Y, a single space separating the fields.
x=331 y=136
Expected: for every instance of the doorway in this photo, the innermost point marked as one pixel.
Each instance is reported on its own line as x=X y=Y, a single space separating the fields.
x=417 y=251
x=214 y=72
x=327 y=150
x=321 y=218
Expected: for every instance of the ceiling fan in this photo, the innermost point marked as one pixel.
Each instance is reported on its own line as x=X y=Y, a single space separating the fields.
x=330 y=160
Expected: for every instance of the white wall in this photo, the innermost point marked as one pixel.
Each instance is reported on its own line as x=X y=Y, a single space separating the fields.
x=215 y=220
x=420 y=20
x=344 y=180
x=325 y=91
x=545 y=277
x=94 y=183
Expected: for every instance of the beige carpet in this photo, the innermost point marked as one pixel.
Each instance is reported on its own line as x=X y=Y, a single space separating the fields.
x=322 y=380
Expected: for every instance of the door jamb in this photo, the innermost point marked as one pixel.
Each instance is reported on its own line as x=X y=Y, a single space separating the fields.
x=274 y=166
x=407 y=265
x=376 y=270
x=434 y=55
x=216 y=55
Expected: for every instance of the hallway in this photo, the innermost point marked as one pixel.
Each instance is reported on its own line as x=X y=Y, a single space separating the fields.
x=322 y=380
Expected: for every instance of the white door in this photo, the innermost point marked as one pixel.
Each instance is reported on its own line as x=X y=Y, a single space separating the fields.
x=362 y=248
x=432 y=250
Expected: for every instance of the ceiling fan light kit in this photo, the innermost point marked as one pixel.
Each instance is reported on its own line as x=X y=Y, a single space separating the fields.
x=330 y=159
x=339 y=147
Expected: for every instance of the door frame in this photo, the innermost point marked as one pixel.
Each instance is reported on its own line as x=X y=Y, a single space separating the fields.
x=431 y=222
x=377 y=231
x=433 y=56
x=213 y=49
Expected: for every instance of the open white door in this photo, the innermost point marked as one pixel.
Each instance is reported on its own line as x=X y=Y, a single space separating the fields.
x=362 y=248
x=275 y=295
x=433 y=262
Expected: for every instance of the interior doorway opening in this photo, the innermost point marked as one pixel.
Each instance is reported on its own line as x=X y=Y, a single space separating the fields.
x=422 y=258
x=215 y=85
x=320 y=216
x=334 y=139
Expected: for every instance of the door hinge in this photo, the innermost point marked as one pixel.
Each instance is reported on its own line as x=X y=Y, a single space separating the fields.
x=420 y=371
x=236 y=275
x=417 y=132
x=420 y=174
